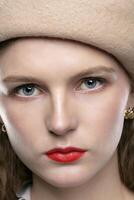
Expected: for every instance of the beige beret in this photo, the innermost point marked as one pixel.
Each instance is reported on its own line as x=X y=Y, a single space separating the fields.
x=106 y=24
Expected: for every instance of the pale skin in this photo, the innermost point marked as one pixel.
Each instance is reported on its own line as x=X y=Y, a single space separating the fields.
x=62 y=110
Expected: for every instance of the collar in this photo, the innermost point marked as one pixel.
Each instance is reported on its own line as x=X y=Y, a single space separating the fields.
x=25 y=192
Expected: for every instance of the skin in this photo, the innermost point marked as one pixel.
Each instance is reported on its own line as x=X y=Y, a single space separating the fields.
x=63 y=111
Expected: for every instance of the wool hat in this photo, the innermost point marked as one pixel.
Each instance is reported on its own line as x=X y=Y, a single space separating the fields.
x=105 y=24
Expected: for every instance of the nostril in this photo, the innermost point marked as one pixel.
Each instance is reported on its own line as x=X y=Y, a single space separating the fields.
x=60 y=123
x=61 y=129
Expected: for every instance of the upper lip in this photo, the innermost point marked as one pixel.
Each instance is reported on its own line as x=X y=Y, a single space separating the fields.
x=65 y=150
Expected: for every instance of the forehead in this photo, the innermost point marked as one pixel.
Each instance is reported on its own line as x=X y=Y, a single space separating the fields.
x=30 y=43
x=54 y=48
x=51 y=57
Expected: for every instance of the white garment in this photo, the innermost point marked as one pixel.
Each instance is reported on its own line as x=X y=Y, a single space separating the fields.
x=25 y=192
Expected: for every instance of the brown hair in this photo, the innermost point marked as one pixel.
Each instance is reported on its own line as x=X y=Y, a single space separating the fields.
x=13 y=173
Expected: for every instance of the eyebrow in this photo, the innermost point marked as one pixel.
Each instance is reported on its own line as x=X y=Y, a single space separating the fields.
x=91 y=71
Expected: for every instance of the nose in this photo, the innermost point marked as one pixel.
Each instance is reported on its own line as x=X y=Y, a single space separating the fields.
x=61 y=119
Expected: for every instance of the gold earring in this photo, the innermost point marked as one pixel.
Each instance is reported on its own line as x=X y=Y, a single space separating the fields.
x=3 y=128
x=129 y=114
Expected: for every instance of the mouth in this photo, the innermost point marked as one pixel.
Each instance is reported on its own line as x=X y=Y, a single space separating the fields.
x=65 y=155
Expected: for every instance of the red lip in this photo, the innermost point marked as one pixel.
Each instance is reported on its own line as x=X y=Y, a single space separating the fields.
x=65 y=155
x=65 y=150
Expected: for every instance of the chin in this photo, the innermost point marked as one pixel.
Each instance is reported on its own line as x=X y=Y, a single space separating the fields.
x=68 y=179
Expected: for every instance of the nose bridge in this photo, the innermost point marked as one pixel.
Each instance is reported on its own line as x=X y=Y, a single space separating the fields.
x=61 y=119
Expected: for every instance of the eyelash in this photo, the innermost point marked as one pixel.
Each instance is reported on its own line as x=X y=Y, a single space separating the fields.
x=102 y=81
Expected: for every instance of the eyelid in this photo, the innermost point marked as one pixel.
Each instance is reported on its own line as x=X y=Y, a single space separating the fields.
x=26 y=84
x=97 y=78
x=103 y=82
x=13 y=92
x=94 y=78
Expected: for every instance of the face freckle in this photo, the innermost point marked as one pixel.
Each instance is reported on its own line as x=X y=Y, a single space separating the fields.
x=55 y=111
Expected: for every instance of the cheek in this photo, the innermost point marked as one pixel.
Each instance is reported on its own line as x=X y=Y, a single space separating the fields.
x=103 y=117
x=25 y=127
x=23 y=122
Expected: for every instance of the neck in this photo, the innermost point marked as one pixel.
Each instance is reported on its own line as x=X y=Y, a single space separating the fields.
x=104 y=185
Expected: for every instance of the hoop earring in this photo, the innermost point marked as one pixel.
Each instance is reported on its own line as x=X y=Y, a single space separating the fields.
x=129 y=114
x=3 y=128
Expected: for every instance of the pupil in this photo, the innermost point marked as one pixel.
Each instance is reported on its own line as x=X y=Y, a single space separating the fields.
x=91 y=83
x=28 y=89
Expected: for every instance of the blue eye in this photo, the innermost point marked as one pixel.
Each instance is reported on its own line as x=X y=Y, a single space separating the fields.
x=26 y=90
x=92 y=82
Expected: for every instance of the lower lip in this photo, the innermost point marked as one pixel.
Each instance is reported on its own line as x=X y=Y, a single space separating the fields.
x=65 y=157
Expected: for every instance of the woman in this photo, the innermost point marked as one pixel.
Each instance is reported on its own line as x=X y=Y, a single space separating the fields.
x=74 y=94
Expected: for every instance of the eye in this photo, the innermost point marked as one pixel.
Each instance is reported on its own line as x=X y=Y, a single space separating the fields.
x=26 y=90
x=92 y=83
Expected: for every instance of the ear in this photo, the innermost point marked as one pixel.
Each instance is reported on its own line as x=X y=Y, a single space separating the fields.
x=130 y=102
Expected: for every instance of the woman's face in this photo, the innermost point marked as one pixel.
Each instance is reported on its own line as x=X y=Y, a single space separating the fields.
x=77 y=98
